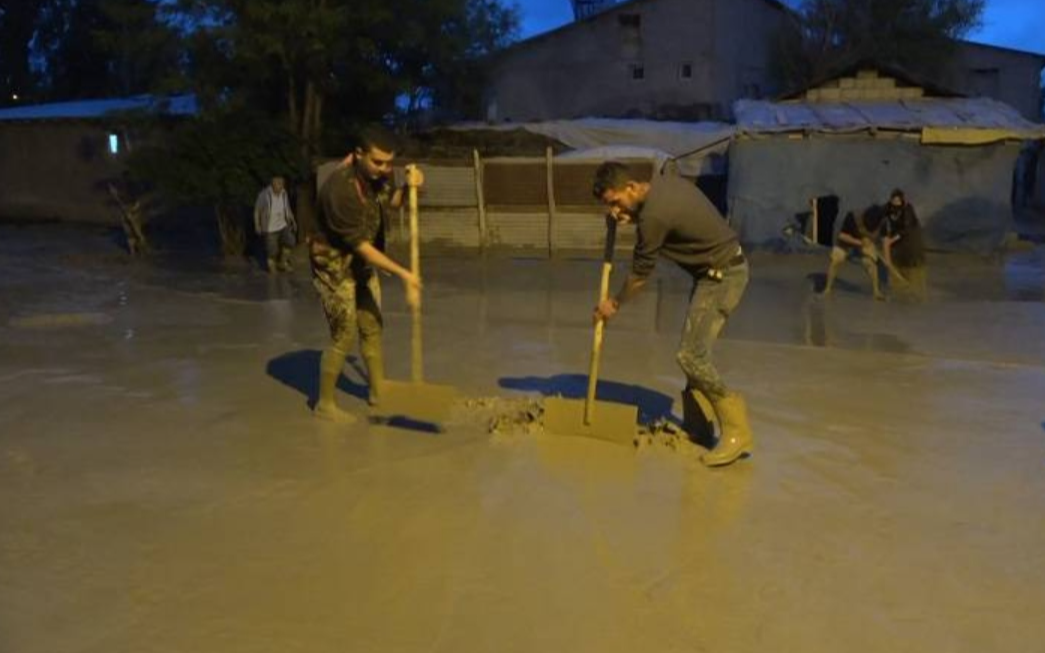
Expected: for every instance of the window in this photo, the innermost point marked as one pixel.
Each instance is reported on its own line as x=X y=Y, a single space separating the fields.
x=986 y=81
x=686 y=71
x=637 y=72
x=114 y=144
x=630 y=20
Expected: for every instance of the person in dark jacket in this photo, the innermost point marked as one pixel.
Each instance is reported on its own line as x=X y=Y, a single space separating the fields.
x=903 y=247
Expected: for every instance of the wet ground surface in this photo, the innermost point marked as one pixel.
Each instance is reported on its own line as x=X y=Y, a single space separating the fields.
x=164 y=488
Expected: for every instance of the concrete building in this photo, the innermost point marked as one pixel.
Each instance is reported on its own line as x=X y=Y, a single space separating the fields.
x=664 y=59
x=56 y=159
x=852 y=139
x=690 y=60
x=1011 y=76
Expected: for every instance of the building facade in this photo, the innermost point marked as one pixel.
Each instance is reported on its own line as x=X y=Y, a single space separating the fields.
x=1011 y=76
x=663 y=59
x=690 y=60
x=57 y=160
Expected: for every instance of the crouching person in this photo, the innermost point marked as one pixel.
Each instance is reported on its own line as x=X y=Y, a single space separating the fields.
x=856 y=242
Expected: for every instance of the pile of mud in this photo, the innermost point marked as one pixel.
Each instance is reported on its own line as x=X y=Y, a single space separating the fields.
x=511 y=419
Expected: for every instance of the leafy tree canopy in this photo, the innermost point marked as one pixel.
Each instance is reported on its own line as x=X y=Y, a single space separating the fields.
x=916 y=35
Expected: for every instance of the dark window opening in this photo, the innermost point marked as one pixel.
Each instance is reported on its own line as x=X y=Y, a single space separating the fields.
x=986 y=81
x=686 y=71
x=817 y=225
x=714 y=188
x=638 y=72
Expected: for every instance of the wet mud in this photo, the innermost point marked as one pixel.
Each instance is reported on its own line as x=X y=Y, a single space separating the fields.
x=164 y=487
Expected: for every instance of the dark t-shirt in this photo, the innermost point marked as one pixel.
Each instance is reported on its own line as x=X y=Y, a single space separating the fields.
x=678 y=222
x=866 y=226
x=352 y=209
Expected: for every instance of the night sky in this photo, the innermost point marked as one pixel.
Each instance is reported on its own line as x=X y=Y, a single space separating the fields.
x=1016 y=24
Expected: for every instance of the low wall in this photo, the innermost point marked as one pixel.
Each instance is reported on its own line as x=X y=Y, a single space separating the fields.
x=56 y=170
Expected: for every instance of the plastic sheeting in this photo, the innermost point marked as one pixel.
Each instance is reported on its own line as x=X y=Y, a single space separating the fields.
x=699 y=147
x=960 y=120
x=961 y=193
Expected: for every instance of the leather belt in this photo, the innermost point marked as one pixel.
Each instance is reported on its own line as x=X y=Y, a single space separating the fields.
x=716 y=272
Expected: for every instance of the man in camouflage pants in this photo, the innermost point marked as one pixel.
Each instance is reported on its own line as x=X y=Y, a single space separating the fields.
x=346 y=253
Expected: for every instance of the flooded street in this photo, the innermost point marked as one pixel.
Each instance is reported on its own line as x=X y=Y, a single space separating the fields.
x=164 y=487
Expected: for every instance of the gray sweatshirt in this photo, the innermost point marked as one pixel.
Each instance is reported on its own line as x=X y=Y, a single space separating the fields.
x=679 y=223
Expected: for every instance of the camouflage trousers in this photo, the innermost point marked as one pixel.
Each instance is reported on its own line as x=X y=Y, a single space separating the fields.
x=353 y=308
x=710 y=305
x=351 y=301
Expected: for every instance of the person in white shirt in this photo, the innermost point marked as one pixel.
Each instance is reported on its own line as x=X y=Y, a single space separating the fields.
x=274 y=222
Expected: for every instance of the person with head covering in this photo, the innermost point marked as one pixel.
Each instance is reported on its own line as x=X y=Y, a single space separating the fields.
x=903 y=248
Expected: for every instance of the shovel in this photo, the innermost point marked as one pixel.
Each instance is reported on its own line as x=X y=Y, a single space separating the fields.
x=895 y=274
x=415 y=400
x=604 y=420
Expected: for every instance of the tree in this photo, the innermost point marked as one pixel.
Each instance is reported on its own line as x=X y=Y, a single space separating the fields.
x=220 y=160
x=916 y=35
x=18 y=20
x=294 y=60
x=101 y=48
x=441 y=68
x=143 y=53
x=277 y=57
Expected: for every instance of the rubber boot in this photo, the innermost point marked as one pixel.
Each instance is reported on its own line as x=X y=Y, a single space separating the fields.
x=285 y=263
x=330 y=365
x=736 y=440
x=374 y=360
x=271 y=265
x=698 y=418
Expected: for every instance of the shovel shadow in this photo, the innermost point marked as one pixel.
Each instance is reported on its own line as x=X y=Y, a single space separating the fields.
x=652 y=405
x=300 y=370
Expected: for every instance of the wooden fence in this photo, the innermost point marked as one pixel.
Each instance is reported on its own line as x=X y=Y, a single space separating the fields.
x=537 y=206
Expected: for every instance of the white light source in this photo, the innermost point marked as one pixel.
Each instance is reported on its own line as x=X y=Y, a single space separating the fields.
x=114 y=144
x=14 y=96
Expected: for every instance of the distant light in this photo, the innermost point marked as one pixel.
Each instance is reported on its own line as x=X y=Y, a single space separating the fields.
x=114 y=144
x=14 y=96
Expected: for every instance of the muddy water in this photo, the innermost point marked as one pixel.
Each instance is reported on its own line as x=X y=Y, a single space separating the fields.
x=163 y=488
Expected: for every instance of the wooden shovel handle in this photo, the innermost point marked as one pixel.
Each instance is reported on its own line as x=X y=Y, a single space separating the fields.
x=600 y=325
x=416 y=350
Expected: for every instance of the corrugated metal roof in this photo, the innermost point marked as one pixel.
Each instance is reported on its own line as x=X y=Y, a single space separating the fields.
x=914 y=115
x=175 y=105
x=675 y=138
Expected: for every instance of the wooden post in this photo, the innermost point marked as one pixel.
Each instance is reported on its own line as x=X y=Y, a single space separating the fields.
x=550 y=186
x=815 y=219
x=480 y=200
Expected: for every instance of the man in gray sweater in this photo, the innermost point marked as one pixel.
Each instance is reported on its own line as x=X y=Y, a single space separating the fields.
x=274 y=222
x=675 y=220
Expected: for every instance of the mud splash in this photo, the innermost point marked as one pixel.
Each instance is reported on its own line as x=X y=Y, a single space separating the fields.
x=58 y=320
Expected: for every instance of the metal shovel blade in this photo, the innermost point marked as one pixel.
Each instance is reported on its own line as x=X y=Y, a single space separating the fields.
x=419 y=402
x=610 y=421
